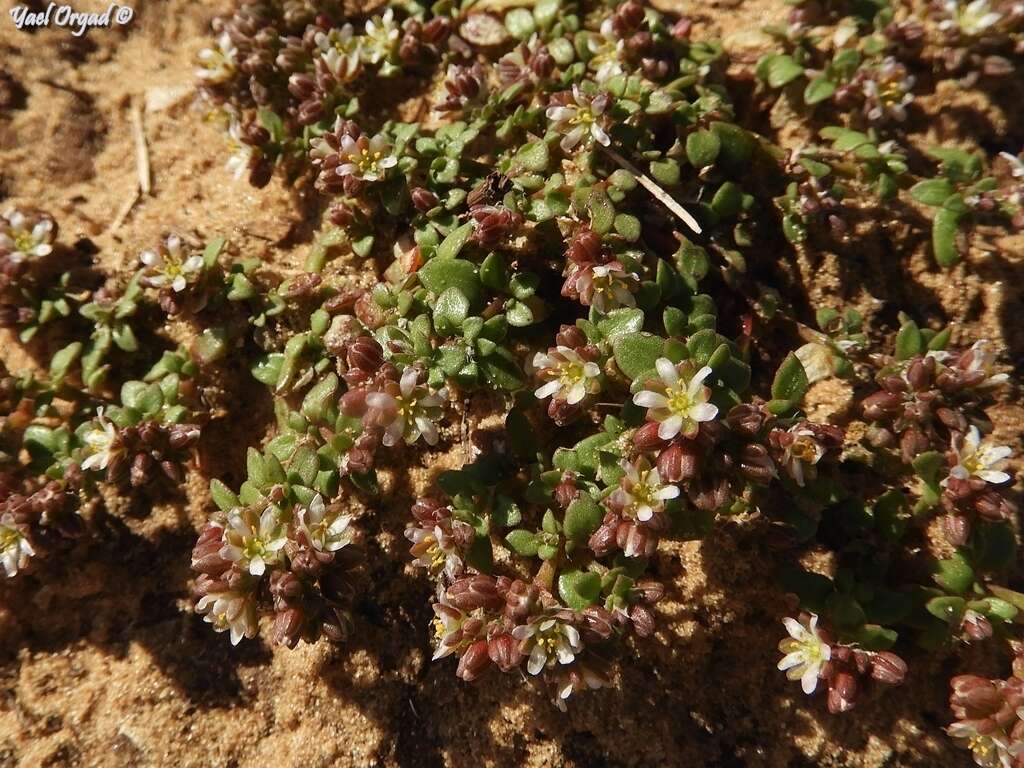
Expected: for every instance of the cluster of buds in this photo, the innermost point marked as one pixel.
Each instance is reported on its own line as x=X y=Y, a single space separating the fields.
x=813 y=657
x=988 y=716
x=528 y=63
x=884 y=91
x=26 y=240
x=348 y=160
x=394 y=407
x=293 y=565
x=569 y=373
x=594 y=278
x=37 y=522
x=930 y=403
x=465 y=88
x=175 y=271
x=139 y=454
x=495 y=224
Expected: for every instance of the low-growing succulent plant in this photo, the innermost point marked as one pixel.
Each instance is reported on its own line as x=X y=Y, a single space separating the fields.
x=579 y=241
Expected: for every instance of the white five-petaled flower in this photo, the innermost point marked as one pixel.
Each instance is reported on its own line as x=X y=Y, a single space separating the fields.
x=604 y=286
x=581 y=120
x=100 y=442
x=436 y=549
x=340 y=50
x=218 y=65
x=976 y=459
x=546 y=640
x=230 y=611
x=23 y=237
x=405 y=409
x=381 y=37
x=989 y=750
x=325 y=532
x=365 y=159
x=15 y=549
x=971 y=19
x=569 y=377
x=641 y=491
x=677 y=400
x=806 y=653
x=169 y=267
x=253 y=542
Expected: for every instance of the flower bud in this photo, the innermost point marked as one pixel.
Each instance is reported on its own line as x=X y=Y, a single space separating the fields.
x=597 y=624
x=888 y=668
x=474 y=662
x=429 y=511
x=570 y=336
x=643 y=620
x=957 y=529
x=472 y=592
x=365 y=354
x=880 y=406
x=842 y=692
x=646 y=437
x=603 y=540
x=520 y=600
x=976 y=627
x=585 y=247
x=503 y=650
x=423 y=199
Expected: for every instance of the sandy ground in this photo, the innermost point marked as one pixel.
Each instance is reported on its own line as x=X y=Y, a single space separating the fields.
x=102 y=662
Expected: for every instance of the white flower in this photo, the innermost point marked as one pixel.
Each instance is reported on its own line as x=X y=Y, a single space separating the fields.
x=641 y=492
x=802 y=453
x=888 y=91
x=15 y=549
x=976 y=17
x=678 y=401
x=581 y=120
x=326 y=533
x=974 y=459
x=218 y=65
x=569 y=377
x=436 y=549
x=989 y=750
x=100 y=444
x=168 y=266
x=364 y=159
x=982 y=357
x=381 y=37
x=607 y=52
x=253 y=542
x=546 y=640
x=241 y=153
x=232 y=611
x=447 y=627
x=603 y=286
x=805 y=651
x=1016 y=164
x=406 y=410
x=23 y=237
x=340 y=50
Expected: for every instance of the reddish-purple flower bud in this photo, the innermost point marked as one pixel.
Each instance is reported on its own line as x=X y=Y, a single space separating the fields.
x=472 y=592
x=888 y=668
x=473 y=662
x=503 y=650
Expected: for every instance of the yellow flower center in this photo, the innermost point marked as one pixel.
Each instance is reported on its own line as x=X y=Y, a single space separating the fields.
x=678 y=397
x=803 y=449
x=9 y=539
x=571 y=373
x=368 y=161
x=23 y=240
